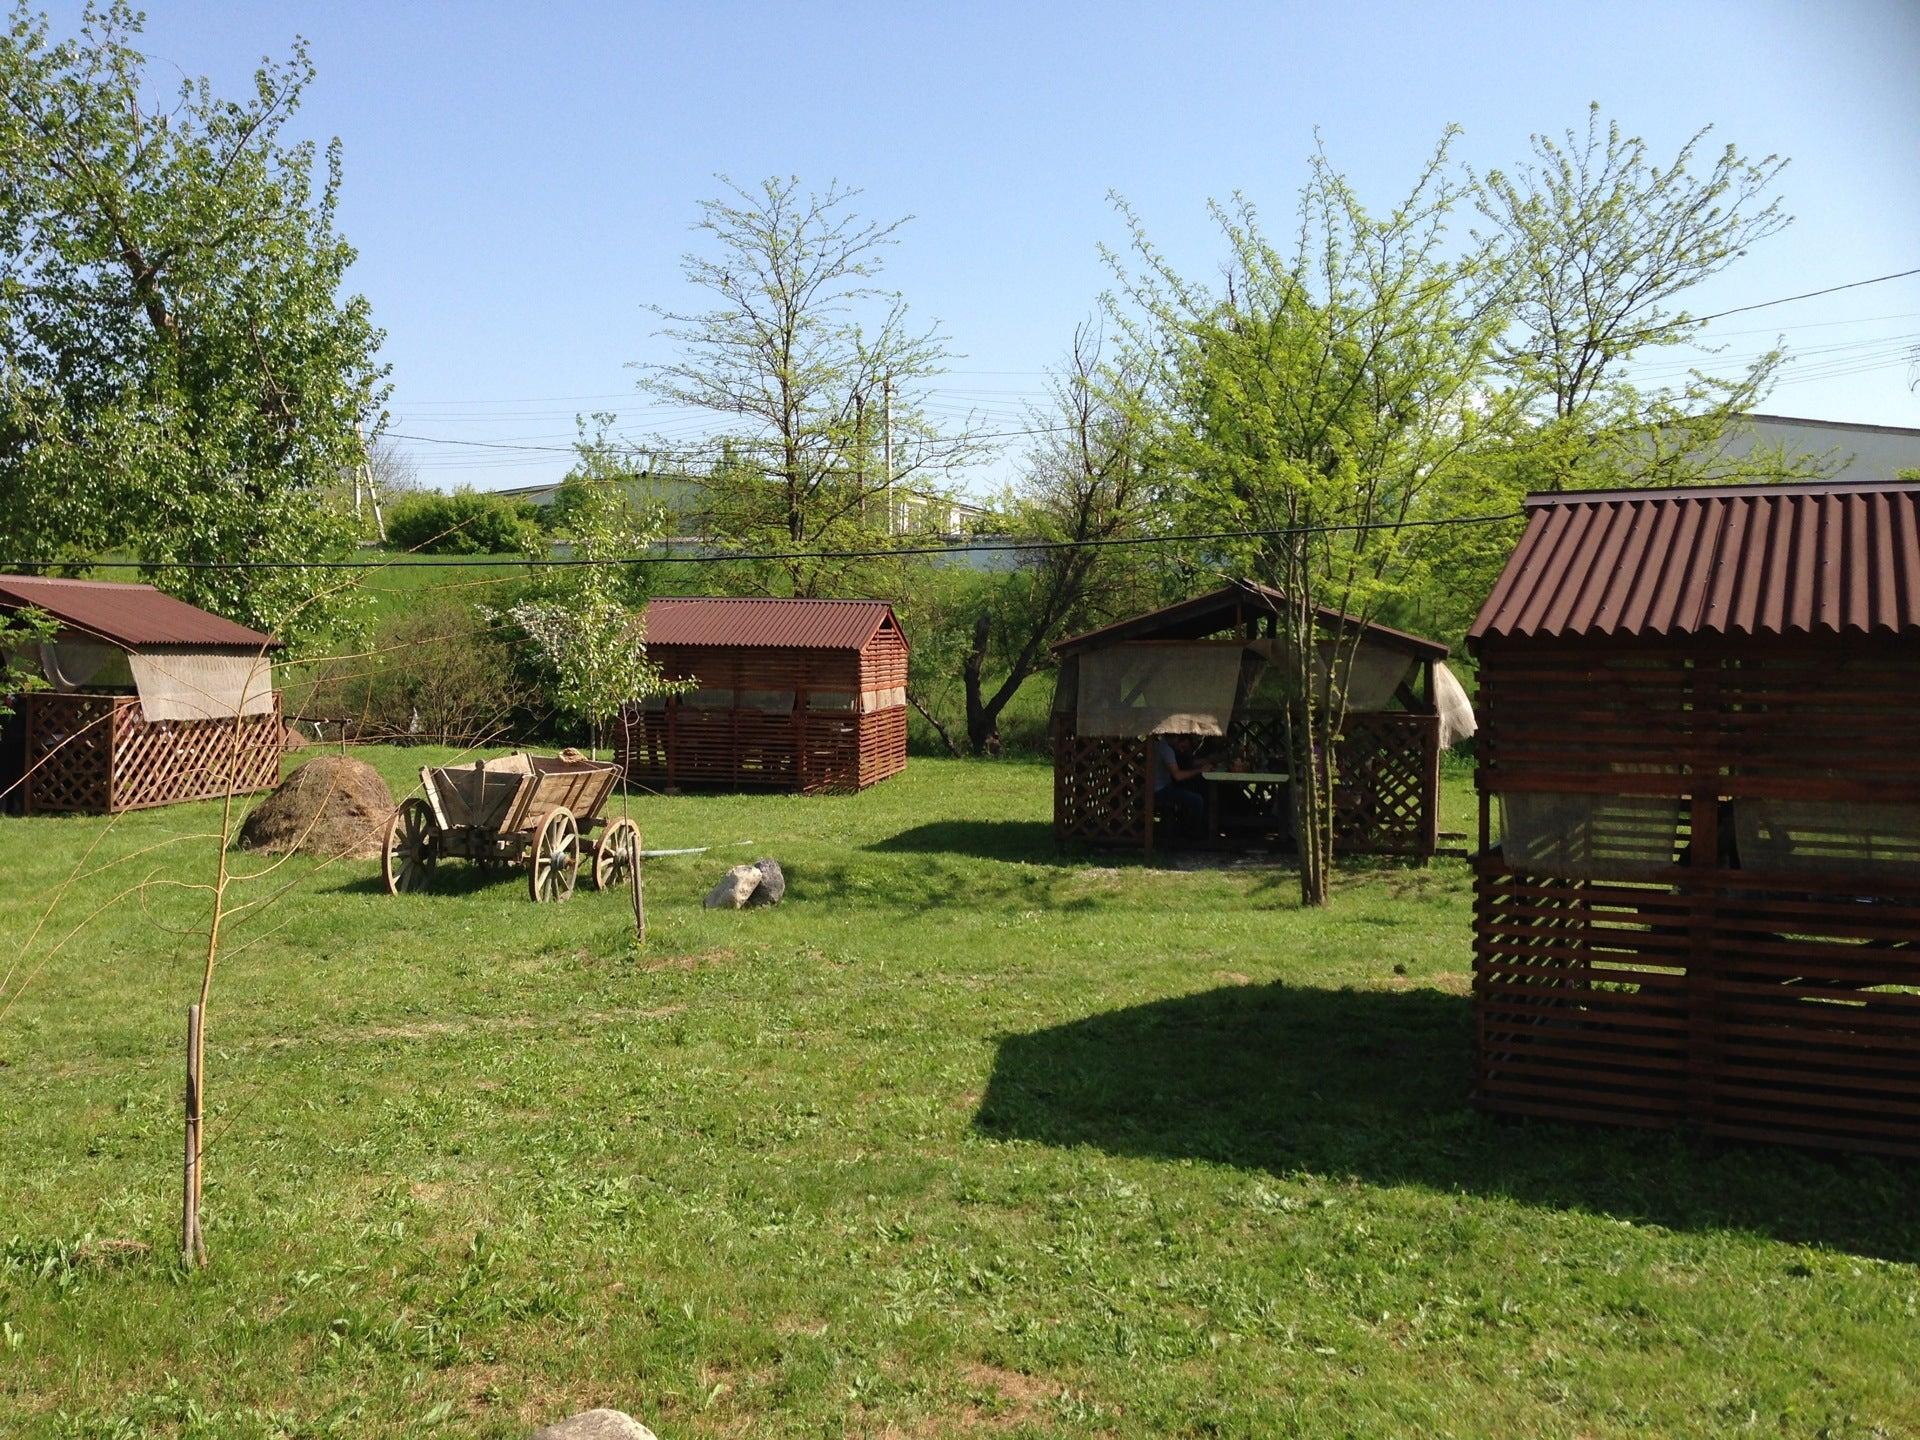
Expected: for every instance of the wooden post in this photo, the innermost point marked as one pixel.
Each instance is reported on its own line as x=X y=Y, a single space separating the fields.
x=192 y=1250
x=639 y=901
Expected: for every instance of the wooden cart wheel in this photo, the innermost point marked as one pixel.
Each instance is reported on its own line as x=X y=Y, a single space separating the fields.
x=555 y=862
x=406 y=862
x=616 y=855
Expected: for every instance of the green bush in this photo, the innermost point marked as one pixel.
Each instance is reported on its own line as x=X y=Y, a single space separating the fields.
x=441 y=671
x=467 y=522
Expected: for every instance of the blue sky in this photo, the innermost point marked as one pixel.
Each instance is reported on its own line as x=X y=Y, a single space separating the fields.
x=520 y=178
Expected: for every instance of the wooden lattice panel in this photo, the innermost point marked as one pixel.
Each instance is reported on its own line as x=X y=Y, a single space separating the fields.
x=1386 y=785
x=1100 y=789
x=97 y=754
x=168 y=761
x=69 y=765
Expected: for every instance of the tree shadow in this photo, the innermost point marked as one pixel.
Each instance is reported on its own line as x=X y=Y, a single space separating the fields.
x=1024 y=841
x=457 y=877
x=1374 y=1084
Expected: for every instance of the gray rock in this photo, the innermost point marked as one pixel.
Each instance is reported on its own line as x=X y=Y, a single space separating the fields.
x=596 y=1425
x=734 y=888
x=773 y=885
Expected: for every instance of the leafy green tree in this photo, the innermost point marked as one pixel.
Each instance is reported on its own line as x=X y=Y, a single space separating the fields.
x=1331 y=394
x=817 y=375
x=19 y=631
x=181 y=374
x=1600 y=244
x=585 y=618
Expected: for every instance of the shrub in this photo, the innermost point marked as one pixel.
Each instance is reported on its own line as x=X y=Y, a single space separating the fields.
x=440 y=671
x=467 y=522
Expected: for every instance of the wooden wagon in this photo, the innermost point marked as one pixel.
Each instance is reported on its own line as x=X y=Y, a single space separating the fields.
x=535 y=811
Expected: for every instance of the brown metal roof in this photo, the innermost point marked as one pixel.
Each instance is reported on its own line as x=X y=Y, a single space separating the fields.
x=1825 y=559
x=766 y=623
x=1218 y=609
x=129 y=615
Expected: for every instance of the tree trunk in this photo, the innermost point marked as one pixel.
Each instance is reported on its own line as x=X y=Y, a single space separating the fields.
x=983 y=718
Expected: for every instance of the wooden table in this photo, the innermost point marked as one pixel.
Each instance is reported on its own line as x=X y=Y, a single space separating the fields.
x=1268 y=785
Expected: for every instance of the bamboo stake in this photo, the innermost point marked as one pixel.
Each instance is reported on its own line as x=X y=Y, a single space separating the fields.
x=192 y=1251
x=639 y=902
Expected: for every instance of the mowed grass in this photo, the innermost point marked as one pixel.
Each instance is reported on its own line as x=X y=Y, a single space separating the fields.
x=964 y=1138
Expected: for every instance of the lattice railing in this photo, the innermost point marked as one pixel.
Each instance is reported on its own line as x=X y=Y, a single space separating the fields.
x=1100 y=789
x=1386 y=784
x=69 y=764
x=97 y=754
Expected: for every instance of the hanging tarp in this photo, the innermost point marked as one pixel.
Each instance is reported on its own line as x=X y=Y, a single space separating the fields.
x=1827 y=835
x=1374 y=673
x=1130 y=690
x=1588 y=835
x=1457 y=721
x=71 y=665
x=201 y=684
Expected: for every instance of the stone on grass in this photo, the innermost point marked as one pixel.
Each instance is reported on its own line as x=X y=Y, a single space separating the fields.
x=734 y=888
x=333 y=805
x=772 y=887
x=596 y=1425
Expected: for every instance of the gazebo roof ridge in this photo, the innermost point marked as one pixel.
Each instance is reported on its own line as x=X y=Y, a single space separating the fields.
x=1190 y=619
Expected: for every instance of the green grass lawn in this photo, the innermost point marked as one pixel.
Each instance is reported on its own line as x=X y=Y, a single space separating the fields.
x=963 y=1139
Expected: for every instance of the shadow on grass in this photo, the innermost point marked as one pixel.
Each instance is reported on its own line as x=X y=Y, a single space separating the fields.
x=1029 y=841
x=1373 y=1084
x=455 y=877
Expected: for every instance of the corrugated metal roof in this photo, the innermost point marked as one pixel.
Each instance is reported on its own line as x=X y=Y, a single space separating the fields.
x=1206 y=614
x=1829 y=559
x=129 y=615
x=766 y=623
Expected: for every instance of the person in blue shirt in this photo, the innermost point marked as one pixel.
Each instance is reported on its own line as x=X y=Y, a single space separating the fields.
x=1178 y=793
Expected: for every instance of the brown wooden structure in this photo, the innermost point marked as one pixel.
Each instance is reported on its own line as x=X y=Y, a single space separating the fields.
x=1386 y=797
x=1701 y=737
x=805 y=695
x=155 y=702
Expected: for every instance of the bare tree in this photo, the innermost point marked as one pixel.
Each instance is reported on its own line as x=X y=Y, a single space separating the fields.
x=816 y=371
x=1084 y=486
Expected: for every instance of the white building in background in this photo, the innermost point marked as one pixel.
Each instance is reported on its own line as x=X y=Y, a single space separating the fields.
x=1850 y=452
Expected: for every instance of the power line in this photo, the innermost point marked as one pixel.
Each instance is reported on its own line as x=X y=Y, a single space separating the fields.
x=493 y=562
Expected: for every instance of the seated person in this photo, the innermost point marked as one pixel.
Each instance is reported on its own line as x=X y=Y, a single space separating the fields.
x=1178 y=794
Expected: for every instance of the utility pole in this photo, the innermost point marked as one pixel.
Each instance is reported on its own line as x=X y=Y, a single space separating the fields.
x=860 y=449
x=364 y=476
x=886 y=423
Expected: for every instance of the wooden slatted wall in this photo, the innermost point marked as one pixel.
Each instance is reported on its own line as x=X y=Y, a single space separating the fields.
x=831 y=738
x=1732 y=942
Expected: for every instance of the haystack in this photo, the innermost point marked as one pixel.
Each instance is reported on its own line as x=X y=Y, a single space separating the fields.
x=332 y=806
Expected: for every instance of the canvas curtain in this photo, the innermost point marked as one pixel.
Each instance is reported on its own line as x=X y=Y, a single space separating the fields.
x=1588 y=835
x=85 y=664
x=1376 y=671
x=1827 y=835
x=1457 y=721
x=201 y=685
x=1130 y=690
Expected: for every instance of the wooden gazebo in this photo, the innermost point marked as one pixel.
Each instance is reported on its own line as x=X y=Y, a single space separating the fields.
x=1701 y=741
x=1387 y=765
x=151 y=701
x=803 y=695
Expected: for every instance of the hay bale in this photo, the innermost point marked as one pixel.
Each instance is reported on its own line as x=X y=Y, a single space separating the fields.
x=332 y=805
